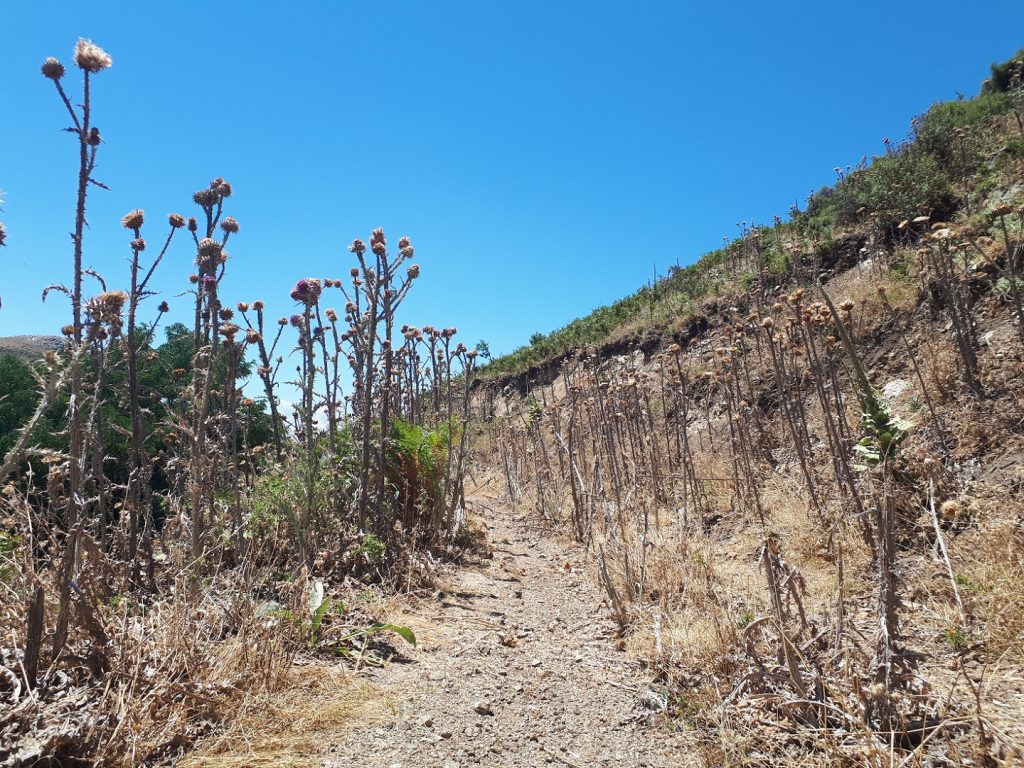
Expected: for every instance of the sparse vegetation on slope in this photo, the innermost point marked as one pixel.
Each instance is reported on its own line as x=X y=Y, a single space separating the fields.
x=957 y=154
x=805 y=511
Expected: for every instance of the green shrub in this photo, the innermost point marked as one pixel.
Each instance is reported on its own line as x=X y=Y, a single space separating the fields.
x=899 y=186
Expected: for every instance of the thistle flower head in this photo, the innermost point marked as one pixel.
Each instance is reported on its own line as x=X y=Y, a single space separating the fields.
x=358 y=247
x=258 y=305
x=192 y=224
x=307 y=291
x=91 y=57
x=138 y=244
x=243 y=306
x=52 y=69
x=205 y=198
x=252 y=336
x=163 y=307
x=106 y=307
x=413 y=271
x=296 y=321
x=229 y=224
x=210 y=254
x=176 y=220
x=209 y=282
x=133 y=219
x=378 y=243
x=331 y=315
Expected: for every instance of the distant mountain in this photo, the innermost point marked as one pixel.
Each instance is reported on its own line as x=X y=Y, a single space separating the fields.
x=29 y=347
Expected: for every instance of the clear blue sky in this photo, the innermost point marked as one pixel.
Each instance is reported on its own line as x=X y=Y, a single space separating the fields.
x=542 y=155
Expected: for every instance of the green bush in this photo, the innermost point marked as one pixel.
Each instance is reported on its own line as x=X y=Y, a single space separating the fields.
x=900 y=186
x=1002 y=74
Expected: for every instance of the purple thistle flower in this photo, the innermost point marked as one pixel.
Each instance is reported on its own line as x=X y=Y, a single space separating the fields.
x=296 y=321
x=307 y=291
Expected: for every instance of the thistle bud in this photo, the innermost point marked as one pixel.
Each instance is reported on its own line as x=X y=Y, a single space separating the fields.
x=52 y=69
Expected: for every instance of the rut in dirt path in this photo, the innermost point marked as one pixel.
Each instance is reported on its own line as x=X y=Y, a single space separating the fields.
x=525 y=673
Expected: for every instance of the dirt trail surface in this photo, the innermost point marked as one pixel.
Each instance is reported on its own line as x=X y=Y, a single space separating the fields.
x=523 y=671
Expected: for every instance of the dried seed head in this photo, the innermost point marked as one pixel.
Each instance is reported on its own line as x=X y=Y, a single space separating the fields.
x=282 y=321
x=358 y=247
x=951 y=509
x=847 y=306
x=206 y=198
x=252 y=336
x=243 y=306
x=163 y=307
x=192 y=225
x=1002 y=210
x=52 y=69
x=226 y=314
x=91 y=57
x=229 y=224
x=332 y=315
x=106 y=307
x=413 y=271
x=94 y=137
x=138 y=244
x=257 y=305
x=133 y=219
x=296 y=321
x=176 y=220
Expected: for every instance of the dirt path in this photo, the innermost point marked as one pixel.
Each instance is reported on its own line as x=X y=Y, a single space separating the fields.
x=522 y=672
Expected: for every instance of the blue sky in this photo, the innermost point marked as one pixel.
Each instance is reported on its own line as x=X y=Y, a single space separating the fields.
x=543 y=156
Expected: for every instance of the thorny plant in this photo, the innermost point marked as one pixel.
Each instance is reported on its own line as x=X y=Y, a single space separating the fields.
x=654 y=454
x=128 y=588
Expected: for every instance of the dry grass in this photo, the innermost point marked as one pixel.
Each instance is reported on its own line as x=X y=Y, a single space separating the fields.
x=318 y=705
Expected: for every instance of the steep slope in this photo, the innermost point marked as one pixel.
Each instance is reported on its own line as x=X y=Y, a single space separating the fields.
x=798 y=467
